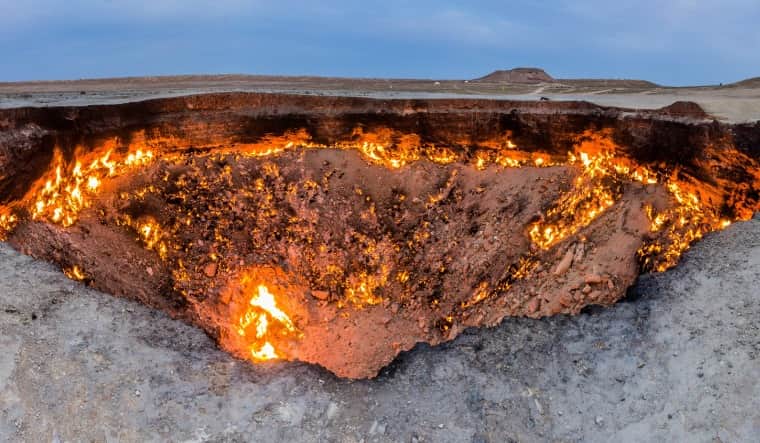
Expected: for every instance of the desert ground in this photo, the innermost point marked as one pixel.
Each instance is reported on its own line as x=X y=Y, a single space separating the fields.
x=677 y=360
x=736 y=102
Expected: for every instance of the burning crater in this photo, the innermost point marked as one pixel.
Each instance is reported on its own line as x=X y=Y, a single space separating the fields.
x=343 y=231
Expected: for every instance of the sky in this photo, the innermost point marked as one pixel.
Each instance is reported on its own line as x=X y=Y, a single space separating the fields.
x=672 y=42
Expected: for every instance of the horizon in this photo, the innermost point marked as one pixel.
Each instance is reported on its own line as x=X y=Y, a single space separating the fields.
x=285 y=76
x=681 y=43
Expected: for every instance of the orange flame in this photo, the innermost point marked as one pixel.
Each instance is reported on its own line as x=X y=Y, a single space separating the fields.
x=7 y=224
x=260 y=314
x=67 y=189
x=74 y=273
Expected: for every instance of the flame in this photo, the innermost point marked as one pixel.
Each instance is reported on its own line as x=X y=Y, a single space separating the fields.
x=74 y=273
x=684 y=223
x=8 y=222
x=149 y=232
x=69 y=188
x=481 y=293
x=594 y=191
x=266 y=352
x=261 y=314
x=598 y=187
x=138 y=158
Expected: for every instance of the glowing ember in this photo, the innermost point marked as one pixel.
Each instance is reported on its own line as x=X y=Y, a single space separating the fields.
x=361 y=288
x=481 y=293
x=151 y=234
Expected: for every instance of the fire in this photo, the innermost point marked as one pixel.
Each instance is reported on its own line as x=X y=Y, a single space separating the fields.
x=139 y=158
x=481 y=293
x=598 y=187
x=687 y=221
x=149 y=233
x=515 y=272
x=361 y=288
x=69 y=187
x=7 y=224
x=74 y=273
x=595 y=190
x=266 y=352
x=263 y=318
x=603 y=171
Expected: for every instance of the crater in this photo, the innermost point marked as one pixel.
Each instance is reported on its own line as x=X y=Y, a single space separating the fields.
x=342 y=231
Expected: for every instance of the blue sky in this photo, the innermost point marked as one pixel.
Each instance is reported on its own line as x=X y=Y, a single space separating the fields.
x=676 y=42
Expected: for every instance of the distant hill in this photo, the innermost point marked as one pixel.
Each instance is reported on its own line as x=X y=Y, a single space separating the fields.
x=532 y=76
x=685 y=109
x=518 y=76
x=608 y=83
x=753 y=82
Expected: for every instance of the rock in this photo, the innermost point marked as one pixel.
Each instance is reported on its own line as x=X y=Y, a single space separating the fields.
x=579 y=250
x=592 y=278
x=586 y=289
x=375 y=428
x=210 y=269
x=320 y=295
x=566 y=299
x=332 y=409
x=328 y=315
x=566 y=262
x=533 y=305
